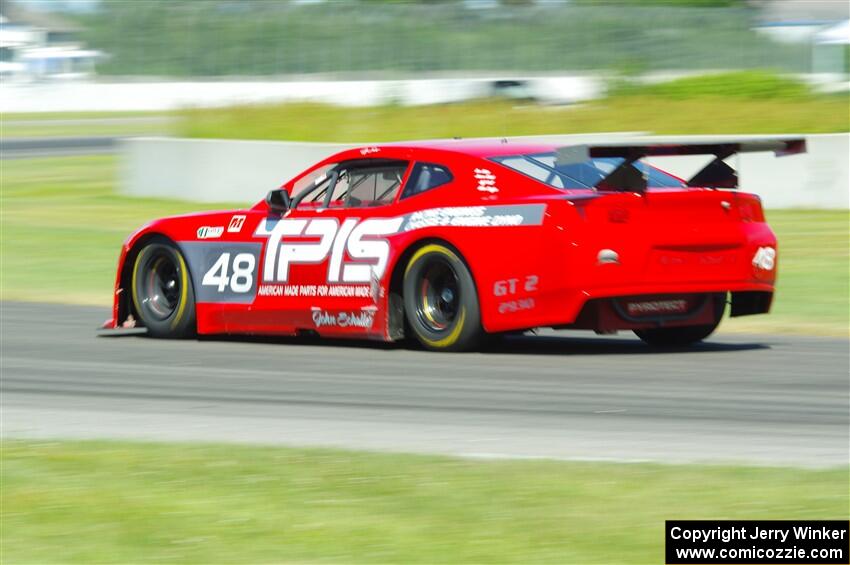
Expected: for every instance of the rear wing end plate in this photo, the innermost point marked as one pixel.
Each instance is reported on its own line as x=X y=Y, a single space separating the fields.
x=716 y=174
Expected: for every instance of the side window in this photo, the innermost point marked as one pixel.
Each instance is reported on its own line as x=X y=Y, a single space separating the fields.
x=371 y=185
x=533 y=169
x=353 y=184
x=311 y=189
x=426 y=176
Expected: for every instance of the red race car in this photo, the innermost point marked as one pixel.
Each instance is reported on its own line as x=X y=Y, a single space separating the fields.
x=451 y=241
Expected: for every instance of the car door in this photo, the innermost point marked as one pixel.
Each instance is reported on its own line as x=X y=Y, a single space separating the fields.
x=324 y=259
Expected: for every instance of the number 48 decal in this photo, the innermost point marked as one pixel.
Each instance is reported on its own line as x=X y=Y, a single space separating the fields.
x=243 y=273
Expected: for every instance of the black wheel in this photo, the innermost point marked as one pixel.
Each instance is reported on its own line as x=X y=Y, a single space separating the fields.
x=162 y=290
x=440 y=301
x=684 y=335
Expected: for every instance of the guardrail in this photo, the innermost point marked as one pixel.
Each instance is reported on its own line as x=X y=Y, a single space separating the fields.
x=209 y=170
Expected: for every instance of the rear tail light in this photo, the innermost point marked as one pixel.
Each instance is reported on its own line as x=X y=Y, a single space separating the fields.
x=749 y=208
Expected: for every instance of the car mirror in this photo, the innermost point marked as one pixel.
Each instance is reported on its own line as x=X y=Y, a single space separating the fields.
x=278 y=200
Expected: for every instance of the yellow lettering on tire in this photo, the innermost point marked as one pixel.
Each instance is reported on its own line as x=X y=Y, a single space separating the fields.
x=450 y=339
x=184 y=284
x=133 y=282
x=431 y=248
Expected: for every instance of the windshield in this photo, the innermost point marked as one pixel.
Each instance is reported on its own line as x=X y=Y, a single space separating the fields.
x=542 y=167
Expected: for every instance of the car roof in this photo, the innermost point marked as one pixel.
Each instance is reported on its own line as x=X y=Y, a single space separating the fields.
x=481 y=147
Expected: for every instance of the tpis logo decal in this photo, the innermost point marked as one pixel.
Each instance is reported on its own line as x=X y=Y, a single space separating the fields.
x=312 y=241
x=356 y=252
x=309 y=241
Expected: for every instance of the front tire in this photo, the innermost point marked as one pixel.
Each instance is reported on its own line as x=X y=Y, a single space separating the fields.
x=162 y=290
x=684 y=335
x=440 y=300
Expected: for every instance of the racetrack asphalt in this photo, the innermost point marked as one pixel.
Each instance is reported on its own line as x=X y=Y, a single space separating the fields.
x=29 y=147
x=760 y=399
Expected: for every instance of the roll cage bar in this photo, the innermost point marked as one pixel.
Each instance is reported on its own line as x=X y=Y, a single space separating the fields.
x=334 y=176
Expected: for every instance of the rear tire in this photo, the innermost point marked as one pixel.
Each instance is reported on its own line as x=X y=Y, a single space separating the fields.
x=684 y=335
x=162 y=290
x=440 y=300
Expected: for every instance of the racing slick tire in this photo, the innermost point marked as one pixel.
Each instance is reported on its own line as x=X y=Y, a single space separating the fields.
x=684 y=335
x=440 y=300
x=162 y=291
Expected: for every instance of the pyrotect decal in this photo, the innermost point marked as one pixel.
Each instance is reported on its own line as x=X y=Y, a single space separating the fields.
x=675 y=306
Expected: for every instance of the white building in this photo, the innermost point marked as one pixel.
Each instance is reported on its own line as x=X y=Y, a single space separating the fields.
x=38 y=52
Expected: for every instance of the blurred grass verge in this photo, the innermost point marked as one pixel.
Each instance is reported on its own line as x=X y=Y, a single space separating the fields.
x=62 y=225
x=754 y=85
x=121 y=502
x=731 y=103
x=499 y=118
x=126 y=129
x=725 y=103
x=82 y=124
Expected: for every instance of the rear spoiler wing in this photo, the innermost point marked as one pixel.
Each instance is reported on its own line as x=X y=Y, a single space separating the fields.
x=716 y=174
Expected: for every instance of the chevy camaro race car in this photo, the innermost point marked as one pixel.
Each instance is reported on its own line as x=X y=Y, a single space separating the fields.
x=452 y=241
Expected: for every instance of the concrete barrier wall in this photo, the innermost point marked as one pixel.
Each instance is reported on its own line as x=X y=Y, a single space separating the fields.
x=243 y=171
x=157 y=96
x=214 y=170
x=818 y=178
x=218 y=170
x=72 y=96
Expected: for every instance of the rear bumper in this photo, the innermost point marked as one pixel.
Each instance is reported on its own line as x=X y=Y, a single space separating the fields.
x=667 y=310
x=591 y=308
x=746 y=298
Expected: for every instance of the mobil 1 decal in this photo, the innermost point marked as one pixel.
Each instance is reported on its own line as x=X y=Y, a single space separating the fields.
x=223 y=272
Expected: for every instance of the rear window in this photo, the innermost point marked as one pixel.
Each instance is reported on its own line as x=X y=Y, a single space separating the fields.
x=542 y=167
x=425 y=176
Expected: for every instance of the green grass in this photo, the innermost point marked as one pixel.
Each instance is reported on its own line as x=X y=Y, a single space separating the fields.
x=494 y=118
x=755 y=85
x=85 y=129
x=680 y=107
x=63 y=225
x=69 y=124
x=737 y=102
x=99 y=502
x=813 y=288
x=40 y=116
